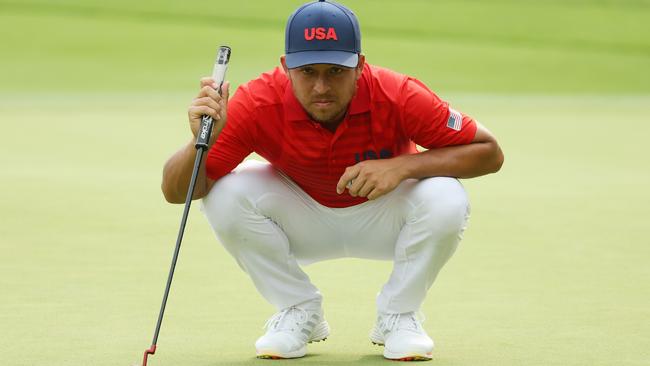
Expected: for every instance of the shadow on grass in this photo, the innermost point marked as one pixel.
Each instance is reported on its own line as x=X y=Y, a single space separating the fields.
x=312 y=359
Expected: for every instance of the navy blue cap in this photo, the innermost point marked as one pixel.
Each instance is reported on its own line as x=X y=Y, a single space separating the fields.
x=322 y=32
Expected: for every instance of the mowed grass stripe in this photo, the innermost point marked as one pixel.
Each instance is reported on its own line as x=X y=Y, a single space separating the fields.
x=104 y=55
x=424 y=31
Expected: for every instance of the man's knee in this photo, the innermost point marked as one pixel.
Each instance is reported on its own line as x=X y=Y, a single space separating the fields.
x=442 y=204
x=229 y=203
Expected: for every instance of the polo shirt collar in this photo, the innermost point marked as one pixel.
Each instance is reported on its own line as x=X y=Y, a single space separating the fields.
x=360 y=103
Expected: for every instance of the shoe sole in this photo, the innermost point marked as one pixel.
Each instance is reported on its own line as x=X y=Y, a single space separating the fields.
x=403 y=356
x=321 y=333
x=275 y=356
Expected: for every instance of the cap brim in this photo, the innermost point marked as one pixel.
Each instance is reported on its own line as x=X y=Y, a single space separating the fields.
x=342 y=58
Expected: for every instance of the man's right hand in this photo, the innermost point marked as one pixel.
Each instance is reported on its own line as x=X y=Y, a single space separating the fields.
x=210 y=103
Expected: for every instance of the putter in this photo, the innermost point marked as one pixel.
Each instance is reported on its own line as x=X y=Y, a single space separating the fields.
x=202 y=140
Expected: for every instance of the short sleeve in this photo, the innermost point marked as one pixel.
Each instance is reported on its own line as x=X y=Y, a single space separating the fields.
x=236 y=140
x=429 y=121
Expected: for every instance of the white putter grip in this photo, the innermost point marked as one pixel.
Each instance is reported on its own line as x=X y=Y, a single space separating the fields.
x=218 y=75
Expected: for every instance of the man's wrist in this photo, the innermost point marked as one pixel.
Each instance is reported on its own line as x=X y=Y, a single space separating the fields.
x=405 y=168
x=417 y=166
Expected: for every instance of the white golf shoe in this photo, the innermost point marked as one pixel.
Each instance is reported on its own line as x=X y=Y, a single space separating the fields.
x=289 y=331
x=402 y=336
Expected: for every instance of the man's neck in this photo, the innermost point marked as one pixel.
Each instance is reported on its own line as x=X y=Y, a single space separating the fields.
x=331 y=126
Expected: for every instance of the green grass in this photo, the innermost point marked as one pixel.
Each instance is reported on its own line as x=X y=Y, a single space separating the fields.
x=497 y=46
x=553 y=269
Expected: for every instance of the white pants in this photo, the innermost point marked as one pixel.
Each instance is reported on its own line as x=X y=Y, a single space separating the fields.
x=270 y=225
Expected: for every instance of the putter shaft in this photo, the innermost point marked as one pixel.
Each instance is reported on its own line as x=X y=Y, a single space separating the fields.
x=202 y=144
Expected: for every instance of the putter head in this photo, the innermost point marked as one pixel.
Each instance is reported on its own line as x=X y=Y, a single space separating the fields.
x=148 y=352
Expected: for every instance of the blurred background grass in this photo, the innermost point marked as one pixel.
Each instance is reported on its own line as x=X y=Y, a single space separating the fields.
x=553 y=269
x=478 y=46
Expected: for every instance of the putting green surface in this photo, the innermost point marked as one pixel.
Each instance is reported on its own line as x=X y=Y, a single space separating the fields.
x=554 y=266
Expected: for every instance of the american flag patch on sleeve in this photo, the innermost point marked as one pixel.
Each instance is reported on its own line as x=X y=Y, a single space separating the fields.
x=455 y=121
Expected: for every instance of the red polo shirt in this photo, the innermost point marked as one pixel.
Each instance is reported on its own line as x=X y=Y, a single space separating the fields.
x=388 y=116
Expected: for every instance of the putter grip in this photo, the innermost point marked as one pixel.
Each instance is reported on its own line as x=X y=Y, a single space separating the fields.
x=218 y=74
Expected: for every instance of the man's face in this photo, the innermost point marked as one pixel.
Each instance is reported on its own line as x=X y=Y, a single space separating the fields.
x=325 y=90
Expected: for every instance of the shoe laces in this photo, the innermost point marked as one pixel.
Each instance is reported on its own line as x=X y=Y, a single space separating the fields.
x=286 y=319
x=405 y=321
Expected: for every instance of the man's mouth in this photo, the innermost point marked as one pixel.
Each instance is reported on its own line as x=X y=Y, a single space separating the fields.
x=323 y=103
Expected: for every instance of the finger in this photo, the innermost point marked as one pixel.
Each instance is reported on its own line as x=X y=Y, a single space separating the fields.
x=375 y=193
x=225 y=94
x=207 y=81
x=350 y=173
x=208 y=91
x=356 y=186
x=198 y=111
x=207 y=102
x=366 y=189
x=225 y=91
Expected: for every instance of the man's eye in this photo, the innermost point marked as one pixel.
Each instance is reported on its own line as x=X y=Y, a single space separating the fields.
x=336 y=70
x=307 y=70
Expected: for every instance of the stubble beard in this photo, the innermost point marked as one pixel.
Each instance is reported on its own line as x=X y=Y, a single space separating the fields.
x=329 y=118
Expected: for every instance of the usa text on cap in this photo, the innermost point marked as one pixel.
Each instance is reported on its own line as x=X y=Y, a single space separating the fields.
x=322 y=32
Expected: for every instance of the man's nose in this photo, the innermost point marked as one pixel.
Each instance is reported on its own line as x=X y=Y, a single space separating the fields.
x=321 y=86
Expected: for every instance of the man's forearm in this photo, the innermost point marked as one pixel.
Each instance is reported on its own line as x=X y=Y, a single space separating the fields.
x=462 y=161
x=177 y=174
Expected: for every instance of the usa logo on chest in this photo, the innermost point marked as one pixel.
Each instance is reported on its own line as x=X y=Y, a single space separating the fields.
x=372 y=155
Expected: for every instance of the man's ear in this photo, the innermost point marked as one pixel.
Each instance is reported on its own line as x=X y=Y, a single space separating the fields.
x=362 y=62
x=283 y=61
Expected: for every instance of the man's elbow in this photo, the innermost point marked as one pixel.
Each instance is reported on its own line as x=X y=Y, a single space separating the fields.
x=173 y=196
x=169 y=195
x=497 y=161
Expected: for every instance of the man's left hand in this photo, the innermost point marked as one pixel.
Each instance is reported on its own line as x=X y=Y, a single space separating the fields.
x=371 y=178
